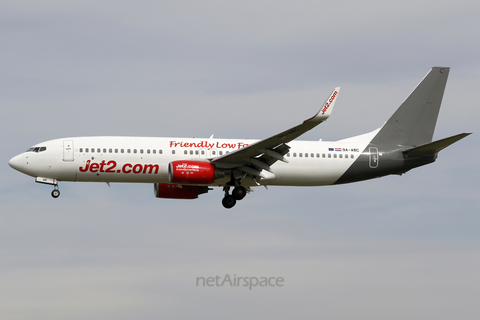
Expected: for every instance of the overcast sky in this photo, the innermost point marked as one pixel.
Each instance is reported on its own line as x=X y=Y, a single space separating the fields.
x=392 y=248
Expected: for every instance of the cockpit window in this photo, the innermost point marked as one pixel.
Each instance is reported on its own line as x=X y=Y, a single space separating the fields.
x=36 y=149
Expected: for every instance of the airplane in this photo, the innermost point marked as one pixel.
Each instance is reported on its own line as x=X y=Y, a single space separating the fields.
x=184 y=168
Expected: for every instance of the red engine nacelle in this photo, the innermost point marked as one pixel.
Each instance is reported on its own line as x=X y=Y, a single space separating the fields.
x=193 y=172
x=174 y=191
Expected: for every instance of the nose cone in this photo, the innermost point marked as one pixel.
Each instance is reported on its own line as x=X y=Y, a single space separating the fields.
x=17 y=162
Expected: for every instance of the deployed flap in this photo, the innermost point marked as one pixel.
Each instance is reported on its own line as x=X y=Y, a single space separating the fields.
x=434 y=147
x=255 y=149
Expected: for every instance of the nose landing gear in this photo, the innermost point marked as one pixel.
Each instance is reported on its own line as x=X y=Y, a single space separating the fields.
x=54 y=182
x=55 y=192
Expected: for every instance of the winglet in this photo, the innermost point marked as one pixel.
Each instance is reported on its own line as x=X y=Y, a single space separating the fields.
x=327 y=107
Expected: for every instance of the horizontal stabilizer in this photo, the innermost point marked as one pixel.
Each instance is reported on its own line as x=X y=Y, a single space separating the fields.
x=434 y=147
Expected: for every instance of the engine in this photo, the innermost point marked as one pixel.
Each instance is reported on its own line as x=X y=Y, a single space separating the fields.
x=174 y=191
x=193 y=172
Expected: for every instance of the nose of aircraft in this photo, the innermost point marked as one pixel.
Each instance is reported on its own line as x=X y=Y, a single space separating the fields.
x=17 y=162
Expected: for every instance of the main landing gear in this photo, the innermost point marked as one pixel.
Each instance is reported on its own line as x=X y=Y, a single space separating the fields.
x=238 y=193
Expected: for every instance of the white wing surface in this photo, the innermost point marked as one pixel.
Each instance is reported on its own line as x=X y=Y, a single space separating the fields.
x=251 y=160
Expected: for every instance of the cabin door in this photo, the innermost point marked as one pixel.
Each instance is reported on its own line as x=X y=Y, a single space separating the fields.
x=68 y=150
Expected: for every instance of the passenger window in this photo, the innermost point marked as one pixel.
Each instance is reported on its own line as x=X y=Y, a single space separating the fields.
x=323 y=155
x=191 y=151
x=306 y=155
x=160 y=151
x=154 y=151
x=318 y=155
x=196 y=152
x=122 y=150
x=148 y=151
x=116 y=150
x=203 y=152
x=340 y=155
x=294 y=154
x=300 y=154
x=92 y=150
x=351 y=156
x=288 y=154
x=134 y=150
x=173 y=151
x=141 y=151
x=213 y=153
x=104 y=150
x=98 y=150
x=329 y=155
x=185 y=152
x=81 y=150
x=109 y=150
x=128 y=150
x=334 y=155
x=220 y=152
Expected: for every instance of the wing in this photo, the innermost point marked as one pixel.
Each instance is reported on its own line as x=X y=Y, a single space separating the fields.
x=258 y=156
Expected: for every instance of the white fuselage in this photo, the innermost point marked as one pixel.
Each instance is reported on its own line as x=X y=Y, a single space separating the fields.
x=146 y=159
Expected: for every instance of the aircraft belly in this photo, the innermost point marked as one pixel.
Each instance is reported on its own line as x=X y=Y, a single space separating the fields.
x=102 y=177
x=309 y=175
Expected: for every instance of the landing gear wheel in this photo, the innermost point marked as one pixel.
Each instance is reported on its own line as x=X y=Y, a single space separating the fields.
x=55 y=193
x=229 y=201
x=239 y=192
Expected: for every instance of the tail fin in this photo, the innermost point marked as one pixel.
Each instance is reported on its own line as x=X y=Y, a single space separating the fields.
x=414 y=121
